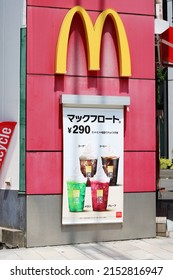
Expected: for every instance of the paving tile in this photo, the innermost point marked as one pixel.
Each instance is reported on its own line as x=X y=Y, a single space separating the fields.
x=137 y=249
x=71 y=253
x=28 y=254
x=8 y=255
x=156 y=249
x=110 y=251
x=123 y=245
x=167 y=247
x=164 y=243
x=129 y=252
x=49 y=253
x=142 y=255
x=158 y=241
x=92 y=252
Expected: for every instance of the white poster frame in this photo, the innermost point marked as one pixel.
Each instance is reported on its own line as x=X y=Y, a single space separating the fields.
x=94 y=125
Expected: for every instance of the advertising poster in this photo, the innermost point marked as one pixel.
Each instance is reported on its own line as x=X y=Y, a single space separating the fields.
x=93 y=165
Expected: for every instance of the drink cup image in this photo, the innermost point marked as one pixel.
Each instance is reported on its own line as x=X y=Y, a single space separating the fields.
x=99 y=192
x=88 y=167
x=76 y=196
x=110 y=167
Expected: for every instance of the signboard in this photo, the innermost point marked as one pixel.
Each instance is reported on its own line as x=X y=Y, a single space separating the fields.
x=93 y=165
x=6 y=131
x=93 y=34
x=166 y=47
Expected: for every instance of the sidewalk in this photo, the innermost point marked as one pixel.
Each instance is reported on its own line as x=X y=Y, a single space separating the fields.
x=141 y=249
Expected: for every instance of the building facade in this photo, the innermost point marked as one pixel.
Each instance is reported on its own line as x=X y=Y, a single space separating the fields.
x=35 y=92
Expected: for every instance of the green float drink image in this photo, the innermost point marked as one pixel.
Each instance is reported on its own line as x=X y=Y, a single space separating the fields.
x=76 y=196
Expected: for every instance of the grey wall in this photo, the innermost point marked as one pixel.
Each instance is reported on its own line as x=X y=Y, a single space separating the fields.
x=12 y=209
x=44 y=222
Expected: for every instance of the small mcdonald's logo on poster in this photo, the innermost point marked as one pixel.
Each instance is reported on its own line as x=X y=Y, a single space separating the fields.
x=119 y=214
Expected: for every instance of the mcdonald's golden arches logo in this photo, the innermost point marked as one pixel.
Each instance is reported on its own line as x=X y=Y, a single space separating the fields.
x=93 y=35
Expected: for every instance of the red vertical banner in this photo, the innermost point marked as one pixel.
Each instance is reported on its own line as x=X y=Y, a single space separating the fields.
x=6 y=132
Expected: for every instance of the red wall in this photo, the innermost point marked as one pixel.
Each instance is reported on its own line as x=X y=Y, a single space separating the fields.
x=126 y=6
x=44 y=112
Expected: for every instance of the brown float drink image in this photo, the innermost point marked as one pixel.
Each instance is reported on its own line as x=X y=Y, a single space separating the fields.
x=110 y=167
x=88 y=168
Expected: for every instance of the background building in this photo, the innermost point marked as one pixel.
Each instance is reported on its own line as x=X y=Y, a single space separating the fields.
x=164 y=75
x=164 y=12
x=12 y=201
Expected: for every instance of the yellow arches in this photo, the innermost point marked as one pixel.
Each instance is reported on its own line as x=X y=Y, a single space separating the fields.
x=93 y=35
